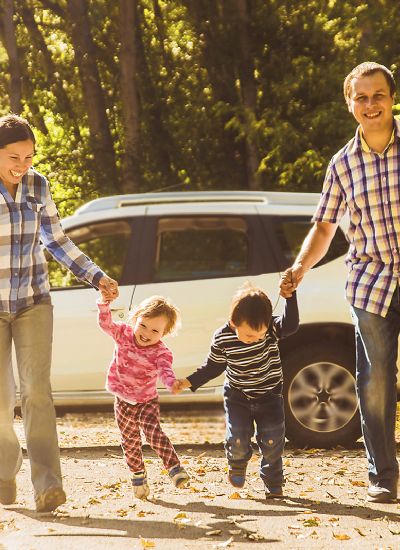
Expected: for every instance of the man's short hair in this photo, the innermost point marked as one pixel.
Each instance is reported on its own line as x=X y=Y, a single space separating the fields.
x=366 y=69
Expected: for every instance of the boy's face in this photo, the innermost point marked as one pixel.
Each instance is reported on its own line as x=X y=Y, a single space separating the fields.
x=149 y=330
x=247 y=334
x=370 y=102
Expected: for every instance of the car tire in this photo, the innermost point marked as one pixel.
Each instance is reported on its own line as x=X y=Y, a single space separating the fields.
x=321 y=405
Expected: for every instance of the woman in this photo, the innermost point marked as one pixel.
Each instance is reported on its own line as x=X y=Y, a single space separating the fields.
x=27 y=214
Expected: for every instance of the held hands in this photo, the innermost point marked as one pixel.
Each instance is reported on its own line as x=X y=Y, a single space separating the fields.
x=290 y=280
x=108 y=288
x=180 y=385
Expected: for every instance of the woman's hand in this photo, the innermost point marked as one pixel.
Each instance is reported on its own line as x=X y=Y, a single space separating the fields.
x=108 y=288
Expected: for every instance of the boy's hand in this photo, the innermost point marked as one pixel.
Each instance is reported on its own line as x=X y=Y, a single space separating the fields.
x=180 y=385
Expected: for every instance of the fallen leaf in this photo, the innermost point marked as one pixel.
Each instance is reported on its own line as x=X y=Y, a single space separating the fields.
x=224 y=544
x=213 y=533
x=359 y=532
x=147 y=543
x=235 y=496
x=311 y=522
x=341 y=536
x=394 y=529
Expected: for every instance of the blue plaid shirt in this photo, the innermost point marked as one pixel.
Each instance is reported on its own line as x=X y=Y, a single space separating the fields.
x=32 y=217
x=366 y=184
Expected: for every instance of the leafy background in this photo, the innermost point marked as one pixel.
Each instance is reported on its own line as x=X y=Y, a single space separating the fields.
x=146 y=95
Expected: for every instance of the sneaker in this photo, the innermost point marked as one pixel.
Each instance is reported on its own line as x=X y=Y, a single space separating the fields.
x=140 y=487
x=179 y=476
x=237 y=476
x=275 y=491
x=8 y=491
x=378 y=493
x=50 y=499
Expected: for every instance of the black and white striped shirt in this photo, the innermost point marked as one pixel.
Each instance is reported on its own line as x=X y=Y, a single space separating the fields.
x=254 y=369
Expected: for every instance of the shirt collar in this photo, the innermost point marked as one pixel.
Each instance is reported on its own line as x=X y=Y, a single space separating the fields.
x=361 y=145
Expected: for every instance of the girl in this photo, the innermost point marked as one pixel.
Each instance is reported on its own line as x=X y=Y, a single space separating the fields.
x=140 y=357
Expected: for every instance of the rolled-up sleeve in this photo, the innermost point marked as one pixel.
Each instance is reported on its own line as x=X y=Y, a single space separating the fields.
x=331 y=206
x=62 y=248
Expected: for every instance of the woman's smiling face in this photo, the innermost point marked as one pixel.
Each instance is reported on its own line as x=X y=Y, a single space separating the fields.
x=15 y=160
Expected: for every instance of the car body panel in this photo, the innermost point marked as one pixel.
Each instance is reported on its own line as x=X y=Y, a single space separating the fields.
x=82 y=353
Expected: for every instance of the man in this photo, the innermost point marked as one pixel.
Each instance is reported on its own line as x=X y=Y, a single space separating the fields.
x=363 y=179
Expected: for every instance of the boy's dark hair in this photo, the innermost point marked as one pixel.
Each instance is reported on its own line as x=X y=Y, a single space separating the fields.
x=366 y=69
x=252 y=306
x=14 y=128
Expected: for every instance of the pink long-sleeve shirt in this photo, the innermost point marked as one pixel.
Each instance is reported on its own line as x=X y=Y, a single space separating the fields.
x=134 y=370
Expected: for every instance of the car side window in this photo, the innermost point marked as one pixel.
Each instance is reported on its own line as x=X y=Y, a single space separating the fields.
x=106 y=244
x=291 y=234
x=201 y=248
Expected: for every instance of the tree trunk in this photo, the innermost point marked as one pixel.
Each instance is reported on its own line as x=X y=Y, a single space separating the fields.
x=248 y=92
x=85 y=56
x=50 y=69
x=10 y=44
x=157 y=110
x=129 y=95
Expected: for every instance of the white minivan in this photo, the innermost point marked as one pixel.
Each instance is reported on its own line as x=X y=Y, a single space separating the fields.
x=197 y=248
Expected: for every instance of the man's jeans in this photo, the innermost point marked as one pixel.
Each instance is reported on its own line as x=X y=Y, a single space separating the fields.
x=376 y=349
x=31 y=330
x=267 y=413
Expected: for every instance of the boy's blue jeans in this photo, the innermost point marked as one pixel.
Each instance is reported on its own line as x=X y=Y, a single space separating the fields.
x=267 y=414
x=376 y=347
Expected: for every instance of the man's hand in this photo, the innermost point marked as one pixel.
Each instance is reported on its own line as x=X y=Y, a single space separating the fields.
x=290 y=280
x=108 y=288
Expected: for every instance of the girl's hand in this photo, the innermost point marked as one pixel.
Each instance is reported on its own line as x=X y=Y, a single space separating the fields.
x=108 y=288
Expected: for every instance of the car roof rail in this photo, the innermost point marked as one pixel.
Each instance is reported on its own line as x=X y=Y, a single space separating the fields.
x=270 y=197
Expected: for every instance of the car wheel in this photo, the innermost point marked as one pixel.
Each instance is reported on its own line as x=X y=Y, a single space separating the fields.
x=320 y=397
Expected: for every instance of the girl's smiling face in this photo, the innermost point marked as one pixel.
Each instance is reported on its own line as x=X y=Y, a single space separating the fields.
x=149 y=330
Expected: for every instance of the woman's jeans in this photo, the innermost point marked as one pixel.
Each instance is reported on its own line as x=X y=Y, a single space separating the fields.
x=267 y=414
x=31 y=330
x=376 y=350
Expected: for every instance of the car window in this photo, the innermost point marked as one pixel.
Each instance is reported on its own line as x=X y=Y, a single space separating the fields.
x=291 y=234
x=105 y=243
x=201 y=247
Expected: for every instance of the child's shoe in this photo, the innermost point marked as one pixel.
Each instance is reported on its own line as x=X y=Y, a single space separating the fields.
x=237 y=476
x=179 y=476
x=140 y=488
x=274 y=491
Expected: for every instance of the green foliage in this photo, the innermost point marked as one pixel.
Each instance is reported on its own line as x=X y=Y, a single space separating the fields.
x=195 y=125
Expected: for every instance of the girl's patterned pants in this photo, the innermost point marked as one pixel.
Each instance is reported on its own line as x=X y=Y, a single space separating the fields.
x=146 y=417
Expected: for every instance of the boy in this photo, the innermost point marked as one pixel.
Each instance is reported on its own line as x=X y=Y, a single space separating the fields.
x=246 y=348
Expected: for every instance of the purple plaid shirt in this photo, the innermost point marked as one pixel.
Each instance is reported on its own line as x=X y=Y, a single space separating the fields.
x=366 y=184
x=23 y=266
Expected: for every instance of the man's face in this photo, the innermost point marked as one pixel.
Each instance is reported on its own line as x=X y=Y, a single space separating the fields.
x=371 y=103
